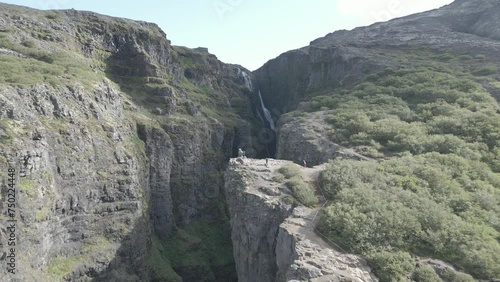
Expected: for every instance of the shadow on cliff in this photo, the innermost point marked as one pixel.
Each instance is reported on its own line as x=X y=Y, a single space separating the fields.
x=198 y=253
x=129 y=263
x=139 y=82
x=201 y=251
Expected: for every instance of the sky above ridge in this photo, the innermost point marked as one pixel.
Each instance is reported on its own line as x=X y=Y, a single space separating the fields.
x=245 y=32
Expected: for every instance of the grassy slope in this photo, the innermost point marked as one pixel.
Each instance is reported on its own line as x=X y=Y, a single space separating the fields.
x=435 y=190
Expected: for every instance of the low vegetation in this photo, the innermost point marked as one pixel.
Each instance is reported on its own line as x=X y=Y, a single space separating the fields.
x=203 y=246
x=417 y=111
x=439 y=205
x=159 y=264
x=62 y=266
x=433 y=189
x=34 y=65
x=301 y=190
x=426 y=273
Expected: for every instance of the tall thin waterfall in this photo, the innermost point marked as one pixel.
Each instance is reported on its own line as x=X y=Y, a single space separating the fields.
x=265 y=111
x=247 y=79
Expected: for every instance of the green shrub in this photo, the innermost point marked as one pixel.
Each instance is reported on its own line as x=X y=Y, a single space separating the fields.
x=449 y=275
x=204 y=245
x=345 y=174
x=425 y=273
x=480 y=57
x=302 y=191
x=159 y=264
x=432 y=204
x=391 y=266
x=465 y=57
x=417 y=111
x=485 y=71
x=290 y=170
x=443 y=57
x=28 y=43
x=52 y=16
x=280 y=178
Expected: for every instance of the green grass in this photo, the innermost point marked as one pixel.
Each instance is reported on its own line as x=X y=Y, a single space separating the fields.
x=42 y=214
x=203 y=246
x=95 y=244
x=28 y=186
x=215 y=240
x=7 y=132
x=62 y=266
x=159 y=264
x=54 y=68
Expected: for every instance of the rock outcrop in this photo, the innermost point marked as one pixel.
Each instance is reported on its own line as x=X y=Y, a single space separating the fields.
x=306 y=138
x=275 y=240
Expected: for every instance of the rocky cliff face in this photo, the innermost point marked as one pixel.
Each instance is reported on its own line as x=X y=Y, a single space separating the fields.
x=273 y=239
x=119 y=138
x=306 y=137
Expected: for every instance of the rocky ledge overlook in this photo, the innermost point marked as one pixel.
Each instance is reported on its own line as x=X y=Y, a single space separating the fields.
x=273 y=238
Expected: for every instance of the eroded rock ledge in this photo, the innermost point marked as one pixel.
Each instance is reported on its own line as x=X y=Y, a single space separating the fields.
x=274 y=240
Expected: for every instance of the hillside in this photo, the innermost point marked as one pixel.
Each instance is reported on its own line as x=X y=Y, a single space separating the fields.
x=122 y=151
x=409 y=111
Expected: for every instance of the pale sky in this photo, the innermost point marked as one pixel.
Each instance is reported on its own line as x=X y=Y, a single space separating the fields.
x=247 y=32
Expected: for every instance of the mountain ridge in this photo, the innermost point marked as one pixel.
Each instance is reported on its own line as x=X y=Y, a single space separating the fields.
x=126 y=140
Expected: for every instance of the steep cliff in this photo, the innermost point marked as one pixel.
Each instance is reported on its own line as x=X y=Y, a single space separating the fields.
x=120 y=140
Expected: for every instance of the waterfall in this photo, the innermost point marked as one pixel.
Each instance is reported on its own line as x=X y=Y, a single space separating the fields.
x=247 y=79
x=267 y=113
